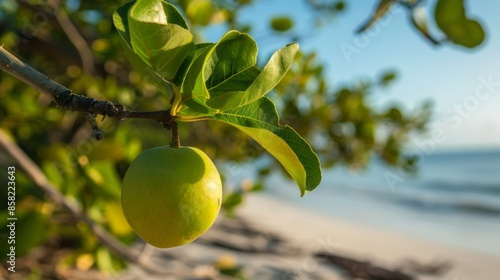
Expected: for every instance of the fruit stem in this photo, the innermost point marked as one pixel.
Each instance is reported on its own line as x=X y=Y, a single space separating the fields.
x=176 y=143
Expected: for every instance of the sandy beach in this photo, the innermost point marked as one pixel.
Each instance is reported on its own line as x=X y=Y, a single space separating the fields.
x=280 y=241
x=320 y=233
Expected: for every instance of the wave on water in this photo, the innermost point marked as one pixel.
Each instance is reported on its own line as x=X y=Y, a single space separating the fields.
x=460 y=187
x=442 y=205
x=441 y=197
x=455 y=182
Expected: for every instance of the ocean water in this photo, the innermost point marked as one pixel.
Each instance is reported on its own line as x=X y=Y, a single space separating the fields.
x=454 y=198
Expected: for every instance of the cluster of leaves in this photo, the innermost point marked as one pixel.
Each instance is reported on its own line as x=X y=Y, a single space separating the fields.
x=450 y=17
x=341 y=124
x=215 y=81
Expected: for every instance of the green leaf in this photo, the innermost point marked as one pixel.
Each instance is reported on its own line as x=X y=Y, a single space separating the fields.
x=260 y=121
x=468 y=33
x=194 y=91
x=105 y=181
x=194 y=110
x=448 y=12
x=234 y=53
x=232 y=200
x=116 y=219
x=194 y=86
x=147 y=73
x=159 y=36
x=451 y=18
x=224 y=76
x=213 y=64
x=120 y=20
x=387 y=78
x=474 y=34
x=158 y=11
x=281 y=23
x=237 y=83
x=267 y=79
x=104 y=260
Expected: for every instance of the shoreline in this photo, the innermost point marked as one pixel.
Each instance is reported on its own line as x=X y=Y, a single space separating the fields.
x=462 y=230
x=316 y=232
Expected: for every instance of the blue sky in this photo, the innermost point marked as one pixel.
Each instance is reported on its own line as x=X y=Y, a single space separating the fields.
x=449 y=75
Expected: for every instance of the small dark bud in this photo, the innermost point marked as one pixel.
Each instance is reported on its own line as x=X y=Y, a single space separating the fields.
x=97 y=134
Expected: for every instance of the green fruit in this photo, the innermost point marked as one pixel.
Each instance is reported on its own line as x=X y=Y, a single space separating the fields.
x=171 y=196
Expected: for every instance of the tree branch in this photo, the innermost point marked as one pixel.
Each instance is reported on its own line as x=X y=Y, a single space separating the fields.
x=65 y=98
x=74 y=36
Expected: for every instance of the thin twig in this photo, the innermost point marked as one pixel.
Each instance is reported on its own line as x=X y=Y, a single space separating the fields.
x=96 y=132
x=74 y=36
x=36 y=175
x=66 y=99
x=176 y=142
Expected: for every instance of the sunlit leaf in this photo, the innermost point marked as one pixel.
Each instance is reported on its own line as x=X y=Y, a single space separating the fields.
x=260 y=121
x=120 y=20
x=194 y=90
x=267 y=79
x=159 y=35
x=116 y=219
x=104 y=179
x=104 y=260
x=224 y=76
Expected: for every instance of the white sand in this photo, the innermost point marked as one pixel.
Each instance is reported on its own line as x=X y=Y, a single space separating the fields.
x=321 y=233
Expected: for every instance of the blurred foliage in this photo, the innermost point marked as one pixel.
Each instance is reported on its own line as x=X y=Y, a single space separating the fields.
x=452 y=20
x=341 y=123
x=281 y=23
x=450 y=16
x=226 y=264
